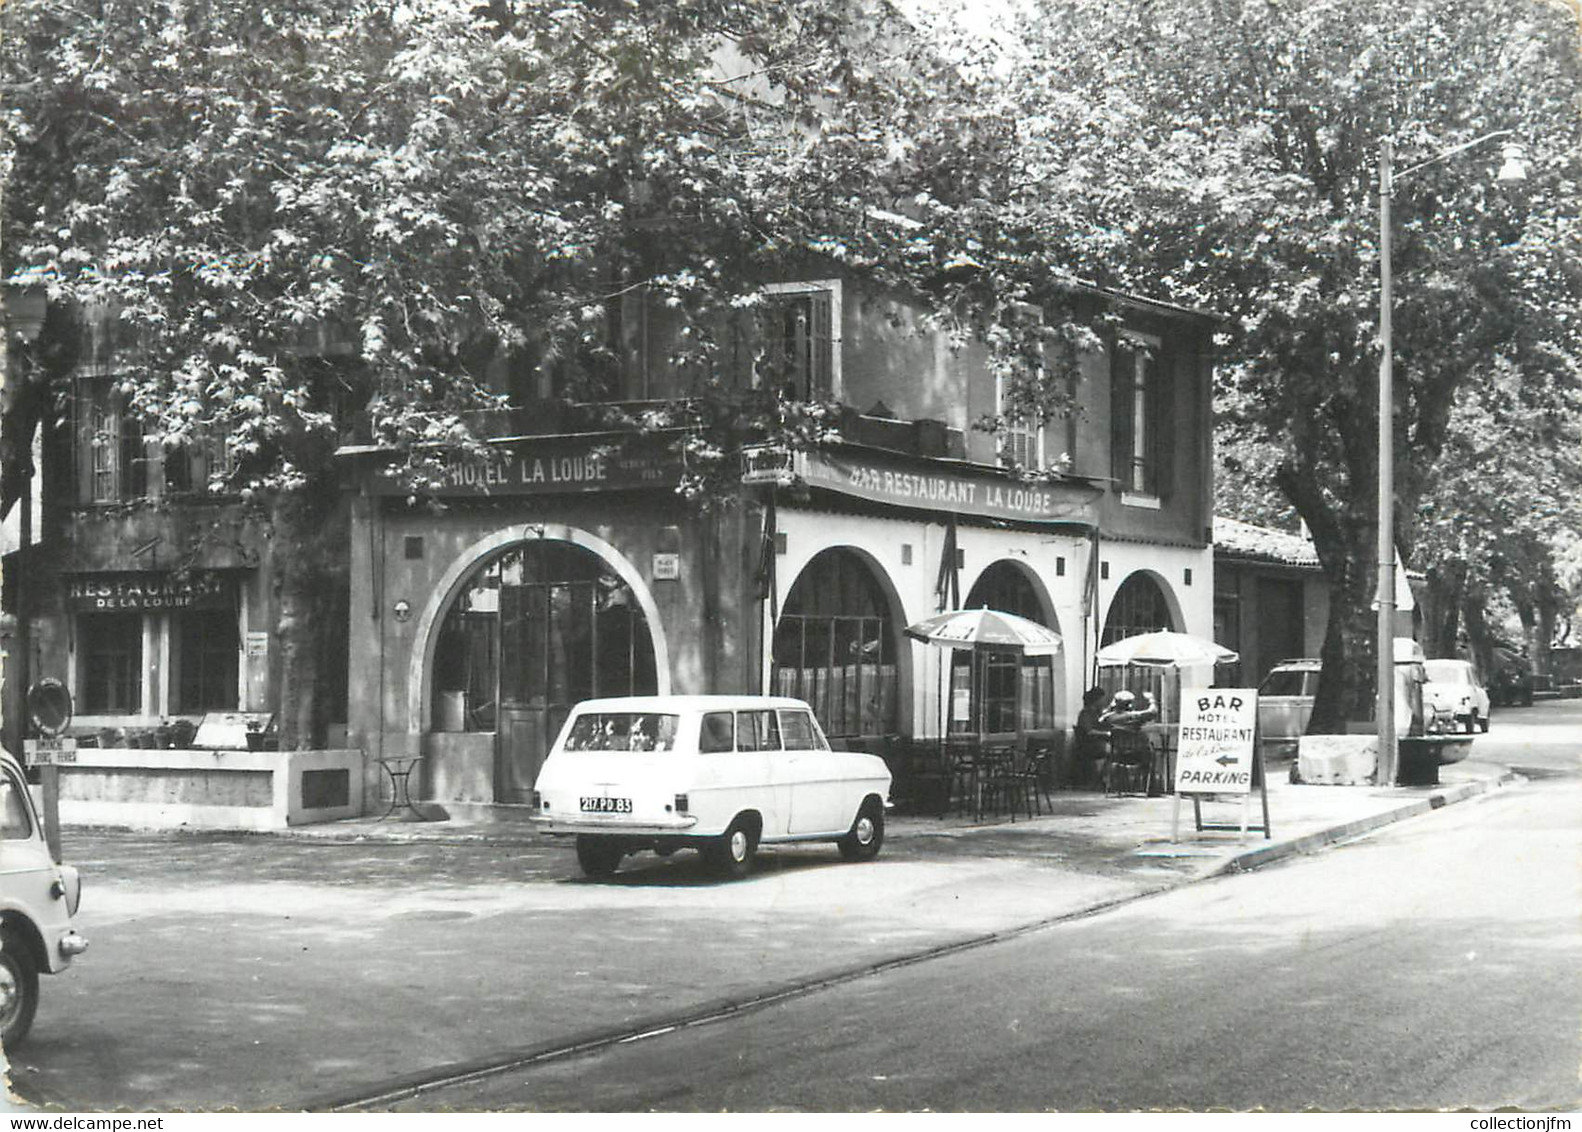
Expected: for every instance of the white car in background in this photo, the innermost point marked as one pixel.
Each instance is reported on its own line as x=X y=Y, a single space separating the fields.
x=720 y=774
x=1285 y=704
x=1454 y=695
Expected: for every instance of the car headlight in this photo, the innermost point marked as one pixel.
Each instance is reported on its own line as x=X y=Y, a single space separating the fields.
x=68 y=887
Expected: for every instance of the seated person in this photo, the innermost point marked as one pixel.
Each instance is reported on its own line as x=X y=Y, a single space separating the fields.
x=1126 y=716
x=1091 y=741
x=1092 y=733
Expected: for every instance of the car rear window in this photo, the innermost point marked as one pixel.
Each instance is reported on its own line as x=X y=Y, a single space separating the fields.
x=1447 y=672
x=1283 y=683
x=623 y=731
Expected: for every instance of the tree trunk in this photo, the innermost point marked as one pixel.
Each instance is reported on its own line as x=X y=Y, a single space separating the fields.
x=1346 y=684
x=309 y=536
x=1478 y=635
x=1345 y=537
x=1443 y=616
x=1541 y=638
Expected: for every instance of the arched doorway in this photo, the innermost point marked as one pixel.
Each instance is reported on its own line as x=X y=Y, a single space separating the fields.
x=532 y=631
x=1003 y=692
x=835 y=647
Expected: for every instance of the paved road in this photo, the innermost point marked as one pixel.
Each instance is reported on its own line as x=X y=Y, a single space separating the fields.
x=257 y=971
x=1546 y=737
x=1431 y=965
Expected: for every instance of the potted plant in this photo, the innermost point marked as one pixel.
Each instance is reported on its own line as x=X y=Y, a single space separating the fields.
x=255 y=735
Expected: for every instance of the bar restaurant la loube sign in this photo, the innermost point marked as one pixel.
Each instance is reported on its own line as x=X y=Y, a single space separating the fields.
x=871 y=476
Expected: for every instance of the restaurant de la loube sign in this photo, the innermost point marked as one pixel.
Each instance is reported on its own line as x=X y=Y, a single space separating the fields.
x=879 y=478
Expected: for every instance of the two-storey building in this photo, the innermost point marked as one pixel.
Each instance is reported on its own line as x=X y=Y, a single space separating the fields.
x=569 y=566
x=150 y=597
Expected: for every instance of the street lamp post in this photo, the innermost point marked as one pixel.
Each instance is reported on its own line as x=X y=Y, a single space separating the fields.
x=1384 y=712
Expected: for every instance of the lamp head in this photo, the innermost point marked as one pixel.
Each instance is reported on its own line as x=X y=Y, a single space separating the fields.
x=1514 y=167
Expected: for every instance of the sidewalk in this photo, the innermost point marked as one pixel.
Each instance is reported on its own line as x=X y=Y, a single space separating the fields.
x=1078 y=824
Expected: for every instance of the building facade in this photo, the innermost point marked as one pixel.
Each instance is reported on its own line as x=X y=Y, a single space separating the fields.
x=568 y=566
x=1271 y=598
x=152 y=599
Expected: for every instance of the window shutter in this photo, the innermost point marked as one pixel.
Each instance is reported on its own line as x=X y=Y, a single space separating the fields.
x=821 y=345
x=134 y=456
x=1123 y=369
x=1161 y=394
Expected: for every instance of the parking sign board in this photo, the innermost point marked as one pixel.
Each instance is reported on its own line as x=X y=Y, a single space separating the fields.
x=1218 y=733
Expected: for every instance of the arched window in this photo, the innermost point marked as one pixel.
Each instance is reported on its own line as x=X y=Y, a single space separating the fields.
x=1139 y=607
x=1004 y=691
x=835 y=647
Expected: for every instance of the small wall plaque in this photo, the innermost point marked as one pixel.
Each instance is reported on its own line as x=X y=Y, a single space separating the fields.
x=667 y=567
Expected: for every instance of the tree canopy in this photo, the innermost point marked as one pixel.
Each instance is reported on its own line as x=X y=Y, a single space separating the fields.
x=1235 y=156
x=309 y=220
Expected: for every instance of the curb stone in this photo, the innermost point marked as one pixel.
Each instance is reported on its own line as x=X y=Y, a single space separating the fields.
x=1269 y=854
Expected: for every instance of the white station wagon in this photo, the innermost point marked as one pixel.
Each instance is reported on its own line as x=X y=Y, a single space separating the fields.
x=721 y=774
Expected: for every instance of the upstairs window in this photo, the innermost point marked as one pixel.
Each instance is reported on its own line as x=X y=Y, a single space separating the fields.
x=799 y=332
x=1138 y=431
x=112 y=463
x=1021 y=438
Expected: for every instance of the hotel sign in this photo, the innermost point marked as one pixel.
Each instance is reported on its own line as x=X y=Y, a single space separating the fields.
x=149 y=589
x=881 y=479
x=552 y=466
x=770 y=463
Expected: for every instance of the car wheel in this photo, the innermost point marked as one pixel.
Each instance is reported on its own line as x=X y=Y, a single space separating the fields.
x=1472 y=722
x=866 y=837
x=18 y=990
x=598 y=856
x=731 y=854
x=1484 y=724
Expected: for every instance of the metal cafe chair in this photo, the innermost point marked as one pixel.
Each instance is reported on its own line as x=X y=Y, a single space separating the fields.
x=1131 y=763
x=1000 y=785
x=1034 y=771
x=961 y=766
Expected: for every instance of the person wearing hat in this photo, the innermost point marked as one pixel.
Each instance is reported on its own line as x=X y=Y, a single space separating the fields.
x=1125 y=711
x=1125 y=717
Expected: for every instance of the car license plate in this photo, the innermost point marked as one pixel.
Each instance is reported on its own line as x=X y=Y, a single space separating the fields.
x=606 y=805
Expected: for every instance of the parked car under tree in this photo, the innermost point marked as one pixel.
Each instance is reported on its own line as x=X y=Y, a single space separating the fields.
x=1454 y=692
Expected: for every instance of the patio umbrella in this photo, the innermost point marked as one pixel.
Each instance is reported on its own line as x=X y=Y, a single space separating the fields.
x=985 y=629
x=1165 y=650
